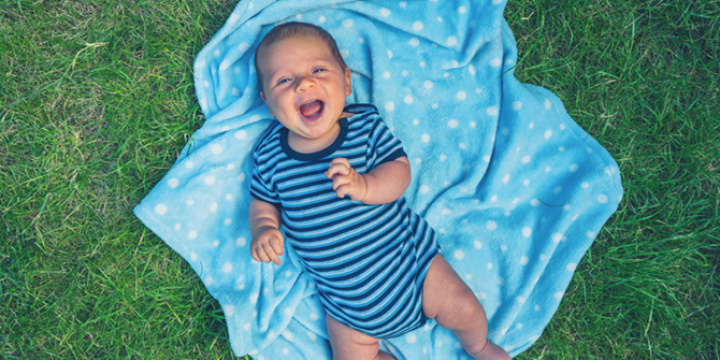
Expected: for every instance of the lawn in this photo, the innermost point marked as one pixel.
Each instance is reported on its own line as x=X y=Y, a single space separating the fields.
x=97 y=100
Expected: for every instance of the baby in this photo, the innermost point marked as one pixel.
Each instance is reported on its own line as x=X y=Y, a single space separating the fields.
x=334 y=176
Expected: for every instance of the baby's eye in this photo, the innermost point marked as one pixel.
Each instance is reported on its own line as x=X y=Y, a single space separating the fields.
x=316 y=71
x=283 y=81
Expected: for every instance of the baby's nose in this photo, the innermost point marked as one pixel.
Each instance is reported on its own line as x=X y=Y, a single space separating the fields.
x=305 y=83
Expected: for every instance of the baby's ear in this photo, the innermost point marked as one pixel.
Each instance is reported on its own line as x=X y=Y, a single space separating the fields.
x=348 y=89
x=262 y=95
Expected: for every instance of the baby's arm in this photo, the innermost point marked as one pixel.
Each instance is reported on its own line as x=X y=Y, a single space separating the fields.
x=267 y=240
x=384 y=184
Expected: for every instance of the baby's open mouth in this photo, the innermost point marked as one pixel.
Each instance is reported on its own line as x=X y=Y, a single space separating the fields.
x=312 y=109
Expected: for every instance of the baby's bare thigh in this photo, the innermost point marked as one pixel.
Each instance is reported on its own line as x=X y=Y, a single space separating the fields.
x=443 y=289
x=348 y=343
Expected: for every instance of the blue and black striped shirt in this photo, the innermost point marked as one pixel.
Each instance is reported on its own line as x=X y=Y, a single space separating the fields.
x=368 y=261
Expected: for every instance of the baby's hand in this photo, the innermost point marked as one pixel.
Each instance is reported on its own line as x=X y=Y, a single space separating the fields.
x=346 y=181
x=267 y=245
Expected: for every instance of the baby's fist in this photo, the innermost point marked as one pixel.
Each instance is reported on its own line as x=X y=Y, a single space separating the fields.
x=267 y=245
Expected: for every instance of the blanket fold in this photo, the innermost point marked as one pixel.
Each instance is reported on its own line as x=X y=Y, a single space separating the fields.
x=515 y=189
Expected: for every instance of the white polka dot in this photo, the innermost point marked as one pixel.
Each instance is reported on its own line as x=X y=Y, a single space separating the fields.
x=190 y=202
x=461 y=95
x=209 y=180
x=216 y=243
x=386 y=74
x=428 y=84
x=527 y=231
x=408 y=99
x=503 y=247
x=424 y=189
x=414 y=42
x=458 y=254
x=425 y=138
x=227 y=221
x=178 y=226
x=590 y=234
x=496 y=62
x=478 y=245
x=224 y=64
x=161 y=209
x=314 y=317
x=471 y=69
x=442 y=157
x=506 y=178
x=348 y=23
x=241 y=134
x=418 y=26
x=491 y=225
x=229 y=197
x=525 y=159
x=384 y=12
x=520 y=300
x=173 y=183
x=389 y=106
x=573 y=167
x=492 y=110
x=322 y=19
x=585 y=185
x=548 y=134
x=602 y=199
x=462 y=10
x=571 y=267
x=411 y=338
x=452 y=123
x=227 y=268
x=345 y=53
x=493 y=198
x=192 y=235
x=241 y=241
x=451 y=41
x=557 y=237
x=312 y=335
x=489 y=266
x=213 y=207
x=390 y=54
x=558 y=295
x=548 y=104
x=524 y=260
x=557 y=190
x=517 y=105
x=189 y=164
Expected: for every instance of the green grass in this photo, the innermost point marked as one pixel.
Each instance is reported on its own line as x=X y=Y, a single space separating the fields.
x=97 y=100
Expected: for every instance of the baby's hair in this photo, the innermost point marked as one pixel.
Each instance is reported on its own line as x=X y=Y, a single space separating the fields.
x=293 y=28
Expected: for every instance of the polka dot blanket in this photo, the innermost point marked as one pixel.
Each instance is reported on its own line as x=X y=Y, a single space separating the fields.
x=515 y=189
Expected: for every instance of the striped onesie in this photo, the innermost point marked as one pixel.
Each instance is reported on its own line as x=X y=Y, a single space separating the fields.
x=368 y=261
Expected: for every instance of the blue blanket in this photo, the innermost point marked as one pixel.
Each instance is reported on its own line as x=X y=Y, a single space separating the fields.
x=515 y=189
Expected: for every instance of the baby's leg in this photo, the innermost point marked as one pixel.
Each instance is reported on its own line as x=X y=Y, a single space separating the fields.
x=350 y=344
x=448 y=300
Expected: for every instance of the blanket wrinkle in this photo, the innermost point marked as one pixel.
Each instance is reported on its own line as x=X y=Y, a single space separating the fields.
x=516 y=190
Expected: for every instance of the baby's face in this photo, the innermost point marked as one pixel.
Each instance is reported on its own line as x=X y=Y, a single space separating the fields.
x=304 y=86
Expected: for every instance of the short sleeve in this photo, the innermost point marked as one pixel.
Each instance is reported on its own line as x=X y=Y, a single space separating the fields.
x=260 y=188
x=383 y=145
